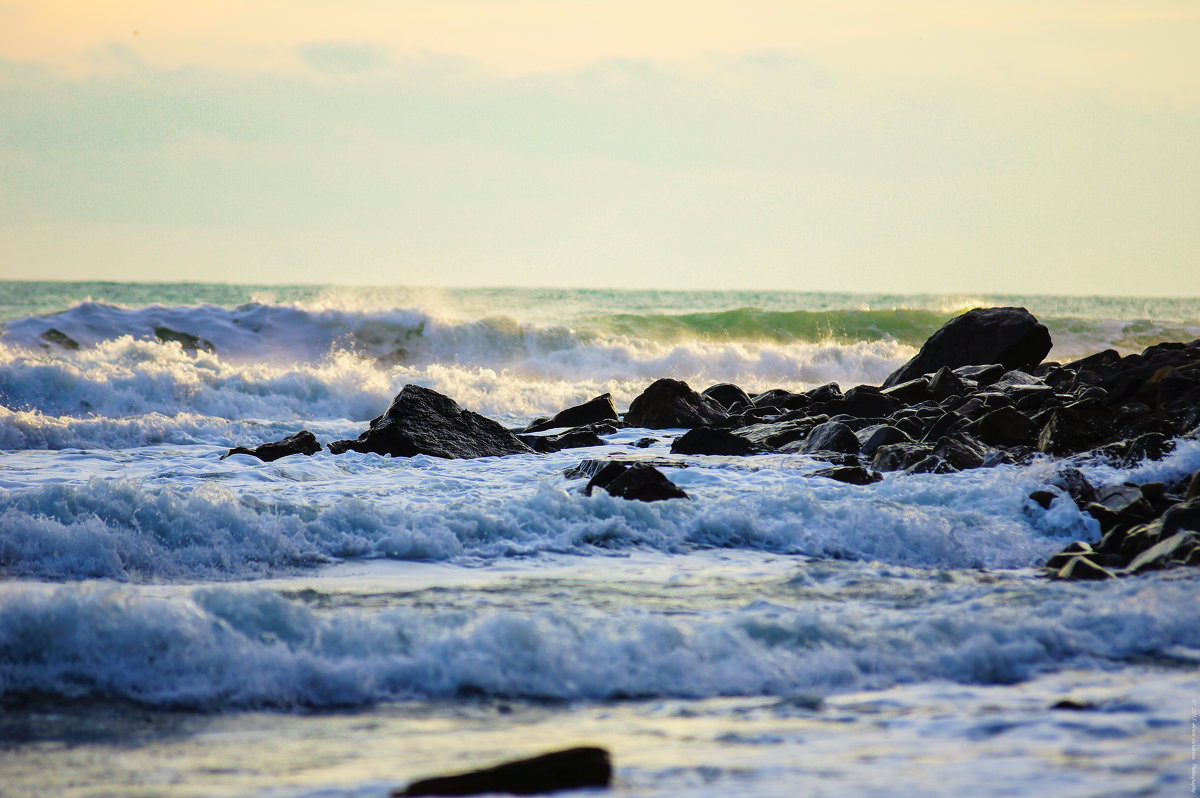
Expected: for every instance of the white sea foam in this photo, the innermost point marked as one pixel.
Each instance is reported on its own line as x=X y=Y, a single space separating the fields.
x=223 y=647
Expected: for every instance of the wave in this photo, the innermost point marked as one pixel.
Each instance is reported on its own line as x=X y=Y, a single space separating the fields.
x=217 y=647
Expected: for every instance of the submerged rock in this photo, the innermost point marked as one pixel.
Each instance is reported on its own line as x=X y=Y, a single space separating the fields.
x=641 y=482
x=1012 y=337
x=190 y=343
x=422 y=421
x=706 y=440
x=59 y=338
x=302 y=442
x=570 y=769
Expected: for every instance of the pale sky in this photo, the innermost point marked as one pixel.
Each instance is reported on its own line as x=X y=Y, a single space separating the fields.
x=991 y=146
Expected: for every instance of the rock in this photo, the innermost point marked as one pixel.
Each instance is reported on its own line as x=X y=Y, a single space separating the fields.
x=1073 y=428
x=59 y=338
x=899 y=456
x=1185 y=516
x=852 y=475
x=571 y=439
x=706 y=440
x=302 y=442
x=863 y=402
x=189 y=342
x=946 y=383
x=1043 y=498
x=645 y=443
x=570 y=769
x=1006 y=426
x=592 y=466
x=1011 y=337
x=1075 y=549
x=668 y=404
x=961 y=451
x=1080 y=567
x=600 y=408
x=829 y=392
x=728 y=395
x=831 y=436
x=930 y=465
x=1193 y=488
x=641 y=482
x=1076 y=485
x=871 y=438
x=422 y=421
x=1176 y=548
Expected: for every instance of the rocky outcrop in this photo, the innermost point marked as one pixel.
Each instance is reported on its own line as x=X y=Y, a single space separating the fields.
x=637 y=481
x=1011 y=337
x=422 y=421
x=570 y=769
x=594 y=410
x=190 y=343
x=302 y=442
x=669 y=404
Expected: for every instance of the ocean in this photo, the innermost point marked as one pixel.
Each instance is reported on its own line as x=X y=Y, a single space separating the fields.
x=173 y=623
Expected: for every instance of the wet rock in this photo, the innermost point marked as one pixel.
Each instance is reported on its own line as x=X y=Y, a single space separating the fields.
x=1043 y=498
x=910 y=392
x=570 y=769
x=831 y=436
x=899 y=456
x=863 y=402
x=1080 y=567
x=961 y=451
x=571 y=439
x=773 y=435
x=930 y=465
x=1176 y=549
x=645 y=443
x=728 y=395
x=190 y=343
x=1006 y=426
x=946 y=383
x=601 y=408
x=706 y=440
x=1078 y=548
x=668 y=404
x=639 y=482
x=422 y=421
x=1073 y=428
x=829 y=392
x=1076 y=485
x=302 y=442
x=852 y=475
x=1011 y=337
x=59 y=338
x=871 y=438
x=590 y=467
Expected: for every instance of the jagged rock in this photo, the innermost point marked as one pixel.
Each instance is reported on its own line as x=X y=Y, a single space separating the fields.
x=863 y=402
x=190 y=343
x=1076 y=549
x=946 y=383
x=911 y=392
x=775 y=434
x=592 y=466
x=706 y=440
x=852 y=475
x=1076 y=485
x=302 y=442
x=59 y=338
x=571 y=439
x=422 y=421
x=570 y=769
x=829 y=392
x=668 y=404
x=641 y=482
x=930 y=465
x=1177 y=548
x=728 y=395
x=601 y=408
x=961 y=451
x=1073 y=428
x=1009 y=336
x=831 y=436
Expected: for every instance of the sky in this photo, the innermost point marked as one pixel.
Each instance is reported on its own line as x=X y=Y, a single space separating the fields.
x=1006 y=146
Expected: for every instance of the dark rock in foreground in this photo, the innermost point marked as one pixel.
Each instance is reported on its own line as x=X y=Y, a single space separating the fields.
x=421 y=421
x=668 y=404
x=600 y=408
x=1012 y=337
x=571 y=769
x=706 y=440
x=303 y=442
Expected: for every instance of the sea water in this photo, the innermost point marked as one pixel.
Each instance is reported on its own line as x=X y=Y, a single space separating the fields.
x=174 y=623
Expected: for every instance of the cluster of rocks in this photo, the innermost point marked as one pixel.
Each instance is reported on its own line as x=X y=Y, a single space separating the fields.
x=978 y=394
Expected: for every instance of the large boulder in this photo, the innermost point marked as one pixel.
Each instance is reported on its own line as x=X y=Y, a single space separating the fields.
x=1009 y=336
x=421 y=421
x=669 y=404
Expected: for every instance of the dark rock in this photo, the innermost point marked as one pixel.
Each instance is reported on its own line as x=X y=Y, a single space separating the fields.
x=780 y=399
x=871 y=438
x=1011 y=337
x=592 y=466
x=775 y=434
x=911 y=392
x=982 y=376
x=1185 y=516
x=641 y=482
x=600 y=408
x=945 y=424
x=1075 y=705
x=1076 y=485
x=705 y=440
x=571 y=439
x=668 y=404
x=1080 y=567
x=1174 y=549
x=59 y=338
x=571 y=769
x=728 y=395
x=829 y=392
x=946 y=383
x=864 y=402
x=961 y=451
x=852 y=475
x=930 y=465
x=899 y=456
x=189 y=342
x=832 y=436
x=1044 y=498
x=1075 y=549
x=645 y=443
x=302 y=442
x=1073 y=428
x=1193 y=488
x=421 y=421
x=1006 y=426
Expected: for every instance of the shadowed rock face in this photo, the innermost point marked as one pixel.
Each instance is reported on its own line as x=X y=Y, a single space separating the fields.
x=302 y=442
x=669 y=404
x=421 y=421
x=571 y=769
x=600 y=408
x=1011 y=337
